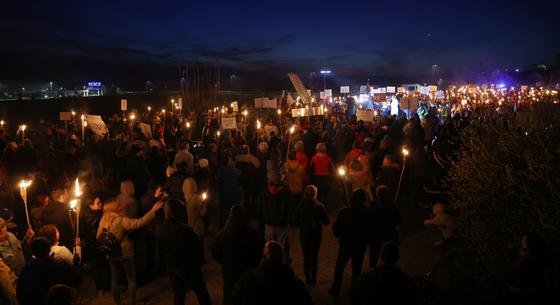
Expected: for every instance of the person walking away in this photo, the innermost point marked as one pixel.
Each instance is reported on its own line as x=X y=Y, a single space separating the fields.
x=351 y=228
x=386 y=218
x=238 y=248
x=183 y=253
x=321 y=170
x=56 y=213
x=295 y=174
x=115 y=222
x=276 y=209
x=229 y=189
x=249 y=166
x=272 y=283
x=310 y=217
x=196 y=208
x=385 y=283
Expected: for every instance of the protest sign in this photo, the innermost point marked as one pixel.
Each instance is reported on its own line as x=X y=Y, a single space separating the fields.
x=328 y=92
x=146 y=130
x=124 y=105
x=364 y=115
x=425 y=90
x=391 y=89
x=344 y=89
x=229 y=123
x=65 y=116
x=96 y=124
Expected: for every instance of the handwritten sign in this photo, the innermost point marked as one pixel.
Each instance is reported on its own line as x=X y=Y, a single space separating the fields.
x=344 y=89
x=229 y=123
x=124 y=105
x=364 y=115
x=391 y=89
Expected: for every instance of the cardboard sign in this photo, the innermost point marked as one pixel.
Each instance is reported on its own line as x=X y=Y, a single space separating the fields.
x=96 y=124
x=363 y=89
x=401 y=90
x=425 y=90
x=364 y=115
x=328 y=92
x=65 y=116
x=235 y=106
x=344 y=89
x=391 y=89
x=229 y=123
x=322 y=95
x=146 y=130
x=124 y=105
x=433 y=88
x=409 y=102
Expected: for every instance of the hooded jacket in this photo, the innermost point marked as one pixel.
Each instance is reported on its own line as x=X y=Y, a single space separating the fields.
x=127 y=203
x=276 y=206
x=295 y=174
x=196 y=208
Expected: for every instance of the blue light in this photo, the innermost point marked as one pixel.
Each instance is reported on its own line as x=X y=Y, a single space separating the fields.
x=502 y=85
x=94 y=84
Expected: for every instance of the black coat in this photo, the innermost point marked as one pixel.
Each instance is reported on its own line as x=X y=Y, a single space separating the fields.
x=276 y=206
x=310 y=218
x=386 y=218
x=181 y=248
x=237 y=248
x=384 y=285
x=37 y=277
x=56 y=213
x=353 y=227
x=270 y=284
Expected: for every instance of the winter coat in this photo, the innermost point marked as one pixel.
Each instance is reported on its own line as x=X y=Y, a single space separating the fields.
x=56 y=213
x=386 y=218
x=295 y=174
x=119 y=225
x=384 y=285
x=196 y=208
x=352 y=227
x=249 y=169
x=272 y=284
x=228 y=185
x=11 y=252
x=182 y=249
x=310 y=217
x=276 y=206
x=237 y=248
x=127 y=203
x=7 y=285
x=184 y=156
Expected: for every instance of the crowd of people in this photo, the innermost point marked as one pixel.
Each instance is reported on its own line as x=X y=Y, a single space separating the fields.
x=146 y=207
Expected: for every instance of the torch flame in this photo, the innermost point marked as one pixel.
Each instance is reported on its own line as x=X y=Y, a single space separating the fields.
x=25 y=183
x=77 y=190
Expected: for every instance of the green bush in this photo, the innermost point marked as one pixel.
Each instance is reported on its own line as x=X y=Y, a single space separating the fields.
x=505 y=181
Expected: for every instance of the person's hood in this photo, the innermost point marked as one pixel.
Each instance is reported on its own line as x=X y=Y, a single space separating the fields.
x=275 y=273
x=275 y=189
x=127 y=188
x=189 y=188
x=292 y=165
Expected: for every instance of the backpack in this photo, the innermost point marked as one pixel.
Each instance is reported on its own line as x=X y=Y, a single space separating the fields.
x=108 y=244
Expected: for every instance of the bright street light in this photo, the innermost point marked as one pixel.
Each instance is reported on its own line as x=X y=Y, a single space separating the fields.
x=325 y=72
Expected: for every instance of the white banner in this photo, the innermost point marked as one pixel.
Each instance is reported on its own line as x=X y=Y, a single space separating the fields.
x=96 y=124
x=322 y=95
x=433 y=88
x=364 y=115
x=124 y=105
x=344 y=89
x=146 y=130
x=328 y=92
x=390 y=89
x=425 y=90
x=229 y=123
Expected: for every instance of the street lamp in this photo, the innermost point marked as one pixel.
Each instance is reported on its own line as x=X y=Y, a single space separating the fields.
x=325 y=72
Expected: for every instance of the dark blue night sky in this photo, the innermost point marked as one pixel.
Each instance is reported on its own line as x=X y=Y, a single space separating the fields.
x=129 y=41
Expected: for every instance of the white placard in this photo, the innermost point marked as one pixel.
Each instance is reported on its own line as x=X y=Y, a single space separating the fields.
x=425 y=90
x=322 y=95
x=440 y=95
x=235 y=106
x=328 y=92
x=391 y=89
x=146 y=130
x=124 y=105
x=364 y=115
x=363 y=89
x=401 y=90
x=96 y=124
x=381 y=90
x=433 y=88
x=344 y=89
x=229 y=123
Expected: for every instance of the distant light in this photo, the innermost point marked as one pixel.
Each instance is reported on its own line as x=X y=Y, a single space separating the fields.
x=342 y=171
x=405 y=152
x=517 y=70
x=501 y=85
x=325 y=71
